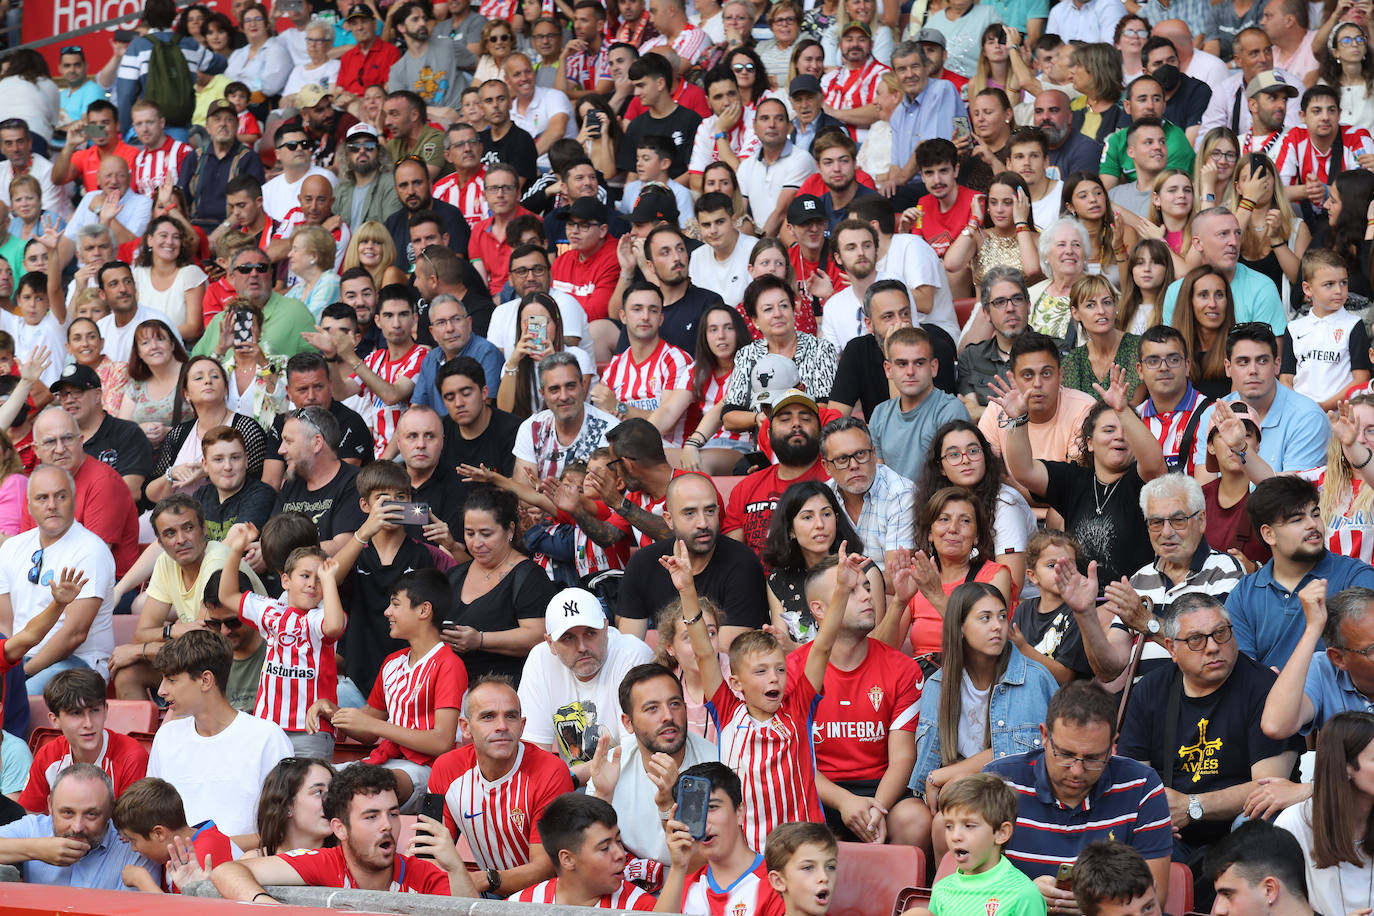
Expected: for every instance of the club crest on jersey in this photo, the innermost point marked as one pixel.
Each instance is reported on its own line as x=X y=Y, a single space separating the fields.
x=875 y=696
x=739 y=909
x=517 y=818
x=992 y=906
x=1338 y=334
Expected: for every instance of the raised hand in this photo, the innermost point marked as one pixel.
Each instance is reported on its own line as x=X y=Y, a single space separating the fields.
x=182 y=868
x=240 y=536
x=679 y=566
x=1115 y=396
x=1078 y=591
x=1312 y=597
x=1021 y=208
x=66 y=587
x=605 y=766
x=1230 y=427
x=33 y=367
x=1007 y=396
x=925 y=573
x=849 y=574
x=1344 y=426
x=903 y=576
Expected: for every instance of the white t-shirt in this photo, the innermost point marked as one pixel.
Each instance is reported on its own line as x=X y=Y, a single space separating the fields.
x=537 y=441
x=501 y=328
x=911 y=258
x=560 y=709
x=1321 y=351
x=325 y=75
x=546 y=103
x=973 y=717
x=280 y=195
x=1014 y=522
x=1345 y=885
x=171 y=301
x=79 y=549
x=220 y=777
x=763 y=184
x=843 y=319
x=47 y=333
x=640 y=828
x=1046 y=210
x=119 y=342
x=728 y=279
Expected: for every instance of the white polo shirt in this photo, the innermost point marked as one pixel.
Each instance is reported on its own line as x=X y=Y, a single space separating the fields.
x=763 y=184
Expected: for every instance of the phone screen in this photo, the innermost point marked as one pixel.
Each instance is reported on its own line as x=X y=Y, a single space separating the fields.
x=693 y=800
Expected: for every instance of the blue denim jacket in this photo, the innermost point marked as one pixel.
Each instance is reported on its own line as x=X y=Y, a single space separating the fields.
x=1016 y=708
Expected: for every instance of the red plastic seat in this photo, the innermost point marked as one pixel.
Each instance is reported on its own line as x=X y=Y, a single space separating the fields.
x=724 y=485
x=1180 y=899
x=41 y=736
x=127 y=716
x=870 y=879
x=38 y=713
x=124 y=626
x=963 y=308
x=947 y=867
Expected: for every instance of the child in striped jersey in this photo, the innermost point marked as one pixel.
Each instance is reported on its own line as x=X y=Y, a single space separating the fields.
x=301 y=631
x=766 y=736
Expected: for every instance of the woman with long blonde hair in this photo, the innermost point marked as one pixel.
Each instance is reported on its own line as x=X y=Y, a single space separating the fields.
x=1272 y=238
x=1001 y=66
x=1214 y=167
x=372 y=249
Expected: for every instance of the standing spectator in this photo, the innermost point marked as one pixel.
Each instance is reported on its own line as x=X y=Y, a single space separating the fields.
x=366 y=191
x=131 y=83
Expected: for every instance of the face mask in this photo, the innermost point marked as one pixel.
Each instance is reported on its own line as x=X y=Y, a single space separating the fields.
x=1167 y=76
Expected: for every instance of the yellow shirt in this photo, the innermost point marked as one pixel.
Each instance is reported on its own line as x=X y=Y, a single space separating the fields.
x=166 y=584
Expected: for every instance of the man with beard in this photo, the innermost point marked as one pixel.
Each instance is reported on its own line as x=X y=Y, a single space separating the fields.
x=358 y=291
x=856 y=249
x=206 y=173
x=463 y=187
x=308 y=385
x=282 y=193
x=568 y=429
x=434 y=68
x=850 y=89
x=835 y=152
x=503 y=140
x=582 y=67
x=1145 y=103
x=666 y=253
x=1070 y=150
x=325 y=125
x=876 y=499
x=775 y=174
x=904 y=426
x=76 y=844
x=794 y=431
x=365 y=815
x=415 y=191
x=638 y=781
x=366 y=191
x=1268 y=99
x=283 y=319
x=1185 y=98
x=531 y=272
x=1006 y=303
x=637 y=446
x=317 y=482
x=569 y=688
x=864 y=741
x=726 y=572
x=406 y=119
x=496 y=787
x=1254 y=54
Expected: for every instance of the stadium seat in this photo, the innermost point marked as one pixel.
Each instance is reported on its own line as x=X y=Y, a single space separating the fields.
x=347 y=751
x=1180 y=890
x=38 y=713
x=963 y=309
x=41 y=736
x=724 y=485
x=124 y=626
x=126 y=716
x=870 y=879
x=946 y=868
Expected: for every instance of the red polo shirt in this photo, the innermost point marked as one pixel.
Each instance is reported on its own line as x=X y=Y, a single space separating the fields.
x=87 y=162
x=359 y=69
x=494 y=253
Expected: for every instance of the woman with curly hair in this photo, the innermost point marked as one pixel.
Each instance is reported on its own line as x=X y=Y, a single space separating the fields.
x=168 y=278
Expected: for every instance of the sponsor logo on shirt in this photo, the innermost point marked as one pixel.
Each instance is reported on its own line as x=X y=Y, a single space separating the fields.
x=278 y=670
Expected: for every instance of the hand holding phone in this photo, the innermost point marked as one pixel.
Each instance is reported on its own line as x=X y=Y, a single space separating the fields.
x=693 y=802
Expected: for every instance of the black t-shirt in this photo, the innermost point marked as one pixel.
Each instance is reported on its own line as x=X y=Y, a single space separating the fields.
x=860 y=379
x=515 y=148
x=1217 y=740
x=252 y=503
x=355 y=440
x=367 y=641
x=1115 y=537
x=500 y=609
x=334 y=507
x=733 y=579
x=493 y=448
x=680 y=127
x=1054 y=634
x=680 y=320
x=121 y=445
x=451 y=221
x=1189 y=103
x=445 y=494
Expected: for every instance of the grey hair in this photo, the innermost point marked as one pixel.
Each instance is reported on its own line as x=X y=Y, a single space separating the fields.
x=88 y=771
x=321 y=25
x=448 y=297
x=1350 y=604
x=1190 y=603
x=95 y=231
x=744 y=3
x=1213 y=211
x=843 y=424
x=911 y=48
x=1000 y=274
x=1047 y=238
x=71 y=481
x=561 y=358
x=318 y=421
x=885 y=286
x=1178 y=486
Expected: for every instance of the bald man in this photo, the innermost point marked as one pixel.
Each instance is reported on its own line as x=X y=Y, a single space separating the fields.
x=113 y=204
x=314 y=207
x=726 y=571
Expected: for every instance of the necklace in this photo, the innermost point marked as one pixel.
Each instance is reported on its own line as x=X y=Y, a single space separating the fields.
x=1107 y=490
x=1340 y=883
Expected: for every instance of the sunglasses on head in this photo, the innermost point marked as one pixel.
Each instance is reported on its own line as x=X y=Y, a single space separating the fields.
x=73 y=49
x=258 y=268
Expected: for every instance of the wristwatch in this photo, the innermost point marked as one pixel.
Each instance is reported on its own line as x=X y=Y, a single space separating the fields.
x=493 y=880
x=1194 y=808
x=621 y=409
x=1152 y=626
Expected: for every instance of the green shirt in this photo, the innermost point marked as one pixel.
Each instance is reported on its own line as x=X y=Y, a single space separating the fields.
x=429 y=147
x=1116 y=162
x=13 y=251
x=999 y=891
x=244 y=675
x=283 y=322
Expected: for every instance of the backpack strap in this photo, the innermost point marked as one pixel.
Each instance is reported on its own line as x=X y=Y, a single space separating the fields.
x=1185 y=444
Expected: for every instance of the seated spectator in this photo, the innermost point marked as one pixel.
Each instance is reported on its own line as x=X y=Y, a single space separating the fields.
x=248 y=647
x=1228 y=521
x=1043 y=626
x=291 y=807
x=568 y=429
x=1055 y=413
x=1073 y=790
x=1171 y=399
x=1218 y=694
x=126 y=217
x=876 y=500
x=903 y=426
x=540 y=325
x=75 y=845
x=1259 y=854
x=83 y=634
x=215 y=756
x=228 y=496
x=155 y=360
x=1005 y=301
x=475 y=432
x=1110 y=877
x=1334 y=349
x=576 y=831
x=979 y=811
x=496 y=788
x=365 y=818
x=797 y=852
x=649 y=379
x=150 y=817
x=317 y=482
x=118 y=443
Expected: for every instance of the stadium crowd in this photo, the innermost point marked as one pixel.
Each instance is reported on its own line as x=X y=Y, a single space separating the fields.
x=743 y=372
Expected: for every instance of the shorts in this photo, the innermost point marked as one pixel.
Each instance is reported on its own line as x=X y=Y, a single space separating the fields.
x=743 y=446
x=419 y=778
x=319 y=745
x=864 y=788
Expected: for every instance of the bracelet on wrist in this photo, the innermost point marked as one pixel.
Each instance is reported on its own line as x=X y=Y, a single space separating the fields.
x=358 y=539
x=1245 y=204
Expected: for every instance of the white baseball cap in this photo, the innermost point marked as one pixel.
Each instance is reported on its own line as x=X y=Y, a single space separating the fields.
x=573 y=607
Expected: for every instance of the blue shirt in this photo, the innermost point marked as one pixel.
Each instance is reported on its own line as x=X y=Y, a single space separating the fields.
x=99 y=869
x=1293 y=436
x=75 y=101
x=931 y=114
x=1127 y=804
x=479 y=348
x=903 y=436
x=1331 y=691
x=1268 y=619
x=1255 y=295
x=836 y=216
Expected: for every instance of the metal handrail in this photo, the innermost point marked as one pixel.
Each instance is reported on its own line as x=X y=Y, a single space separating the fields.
x=74 y=33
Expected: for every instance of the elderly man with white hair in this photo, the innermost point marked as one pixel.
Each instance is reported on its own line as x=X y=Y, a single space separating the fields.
x=1176 y=519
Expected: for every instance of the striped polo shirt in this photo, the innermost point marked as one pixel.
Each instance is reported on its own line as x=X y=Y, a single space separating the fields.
x=1127 y=805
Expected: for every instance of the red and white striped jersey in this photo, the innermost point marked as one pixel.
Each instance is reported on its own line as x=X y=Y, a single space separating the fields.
x=498 y=818
x=295 y=217
x=591 y=558
x=300 y=665
x=587 y=69
x=1167 y=427
x=1268 y=144
x=1349 y=532
x=467 y=195
x=151 y=165
x=1298 y=162
x=628 y=897
x=386 y=416
x=410 y=694
x=751 y=893
x=642 y=384
x=847 y=89
x=774 y=760
x=691 y=43
x=713 y=394
x=498 y=9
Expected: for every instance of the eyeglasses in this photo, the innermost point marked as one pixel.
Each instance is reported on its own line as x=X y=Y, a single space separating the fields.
x=1172 y=360
x=784 y=20
x=955 y=456
x=1135 y=33
x=227 y=623
x=544 y=36
x=861 y=457
x=357 y=146
x=37 y=571
x=445 y=322
x=1006 y=302
x=742 y=67
x=1349 y=40
x=501 y=38
x=1089 y=764
x=1178 y=521
x=246 y=269
x=500 y=188
x=1221 y=636
x=319 y=41
x=294 y=145
x=1367 y=651
x=538 y=270
x=1223 y=156
x=579 y=225
x=257 y=19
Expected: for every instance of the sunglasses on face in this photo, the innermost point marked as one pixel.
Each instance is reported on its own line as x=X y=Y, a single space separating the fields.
x=357 y=146
x=229 y=623
x=294 y=145
x=742 y=67
x=247 y=269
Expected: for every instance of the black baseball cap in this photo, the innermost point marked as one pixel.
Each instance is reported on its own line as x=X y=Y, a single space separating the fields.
x=587 y=209
x=82 y=378
x=655 y=206
x=804 y=208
